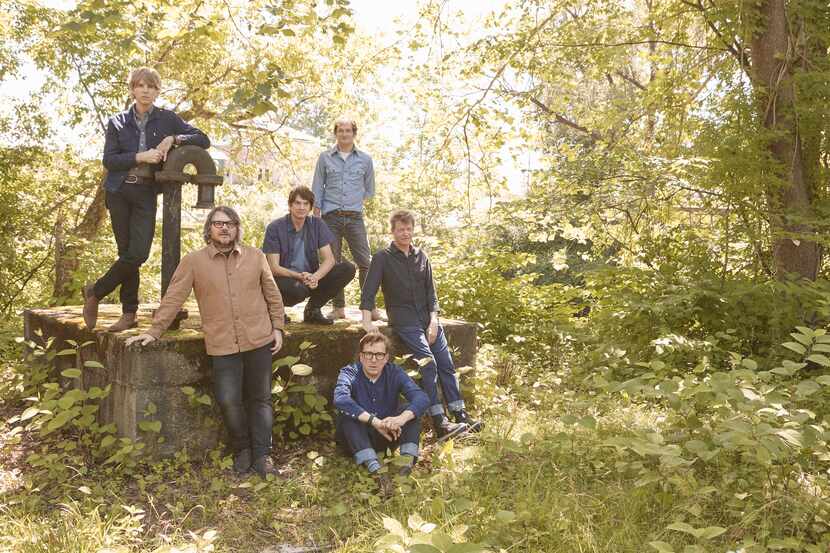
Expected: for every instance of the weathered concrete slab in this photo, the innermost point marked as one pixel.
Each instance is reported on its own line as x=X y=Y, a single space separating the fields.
x=156 y=373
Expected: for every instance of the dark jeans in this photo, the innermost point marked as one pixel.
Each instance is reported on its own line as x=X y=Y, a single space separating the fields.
x=353 y=229
x=133 y=215
x=242 y=386
x=293 y=291
x=364 y=443
x=439 y=369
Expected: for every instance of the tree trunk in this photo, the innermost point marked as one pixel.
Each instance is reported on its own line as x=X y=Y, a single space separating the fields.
x=790 y=194
x=68 y=249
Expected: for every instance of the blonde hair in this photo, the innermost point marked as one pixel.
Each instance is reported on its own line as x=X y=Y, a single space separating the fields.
x=343 y=120
x=146 y=74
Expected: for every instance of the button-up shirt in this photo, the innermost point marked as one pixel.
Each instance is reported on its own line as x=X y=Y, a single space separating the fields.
x=407 y=284
x=354 y=393
x=239 y=302
x=278 y=240
x=343 y=183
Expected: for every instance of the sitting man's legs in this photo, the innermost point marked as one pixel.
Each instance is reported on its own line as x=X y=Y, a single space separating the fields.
x=363 y=442
x=331 y=285
x=439 y=369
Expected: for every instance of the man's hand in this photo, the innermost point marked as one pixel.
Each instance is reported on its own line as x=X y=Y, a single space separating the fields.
x=394 y=425
x=277 y=341
x=149 y=156
x=144 y=339
x=310 y=280
x=432 y=332
x=316 y=211
x=378 y=425
x=165 y=145
x=369 y=327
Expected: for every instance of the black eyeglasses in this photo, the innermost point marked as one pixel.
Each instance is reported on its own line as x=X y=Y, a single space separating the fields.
x=220 y=224
x=374 y=355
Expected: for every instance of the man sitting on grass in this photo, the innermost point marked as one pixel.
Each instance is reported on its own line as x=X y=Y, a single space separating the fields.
x=369 y=417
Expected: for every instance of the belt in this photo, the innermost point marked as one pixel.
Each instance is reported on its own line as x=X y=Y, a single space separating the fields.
x=135 y=179
x=344 y=213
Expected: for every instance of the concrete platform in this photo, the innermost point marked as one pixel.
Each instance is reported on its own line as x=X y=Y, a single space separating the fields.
x=156 y=373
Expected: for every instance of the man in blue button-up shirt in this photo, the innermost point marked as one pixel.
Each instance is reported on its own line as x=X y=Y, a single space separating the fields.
x=135 y=144
x=343 y=179
x=370 y=419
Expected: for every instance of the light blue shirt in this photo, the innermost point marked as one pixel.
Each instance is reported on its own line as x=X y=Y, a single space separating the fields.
x=343 y=183
x=299 y=261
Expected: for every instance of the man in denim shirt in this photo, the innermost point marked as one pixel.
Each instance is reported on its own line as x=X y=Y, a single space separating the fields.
x=135 y=139
x=343 y=179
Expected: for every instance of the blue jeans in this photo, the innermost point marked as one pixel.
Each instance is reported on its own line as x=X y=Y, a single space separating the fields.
x=353 y=229
x=440 y=368
x=248 y=420
x=364 y=443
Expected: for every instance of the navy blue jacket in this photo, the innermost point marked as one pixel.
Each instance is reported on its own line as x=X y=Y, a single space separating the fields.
x=121 y=140
x=354 y=393
x=276 y=240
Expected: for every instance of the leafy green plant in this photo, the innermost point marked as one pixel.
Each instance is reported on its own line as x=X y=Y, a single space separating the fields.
x=299 y=410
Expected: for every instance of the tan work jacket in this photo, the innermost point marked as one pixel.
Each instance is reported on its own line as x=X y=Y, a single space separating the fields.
x=239 y=302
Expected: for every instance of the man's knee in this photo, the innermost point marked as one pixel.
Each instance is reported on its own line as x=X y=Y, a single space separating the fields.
x=292 y=291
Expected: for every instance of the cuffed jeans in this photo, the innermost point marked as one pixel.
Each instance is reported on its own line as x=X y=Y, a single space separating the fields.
x=353 y=229
x=242 y=386
x=293 y=291
x=440 y=368
x=133 y=215
x=363 y=442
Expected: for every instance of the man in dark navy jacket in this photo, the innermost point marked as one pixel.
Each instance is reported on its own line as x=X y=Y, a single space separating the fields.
x=136 y=140
x=370 y=418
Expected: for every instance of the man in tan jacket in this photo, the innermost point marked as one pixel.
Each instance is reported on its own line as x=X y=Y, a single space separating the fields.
x=242 y=320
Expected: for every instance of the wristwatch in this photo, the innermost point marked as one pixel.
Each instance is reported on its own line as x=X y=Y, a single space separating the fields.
x=371 y=418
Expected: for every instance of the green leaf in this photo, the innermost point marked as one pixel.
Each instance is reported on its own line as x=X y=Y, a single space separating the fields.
x=188 y=390
x=29 y=413
x=71 y=373
x=66 y=352
x=710 y=532
x=107 y=441
x=204 y=399
x=394 y=527
x=424 y=548
x=661 y=546
x=819 y=359
x=784 y=543
x=588 y=422
x=807 y=387
x=505 y=517
x=301 y=369
x=796 y=347
x=749 y=364
x=93 y=364
x=683 y=527
x=150 y=426
x=824 y=380
x=305 y=345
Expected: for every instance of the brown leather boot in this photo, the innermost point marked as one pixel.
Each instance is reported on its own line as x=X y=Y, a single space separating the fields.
x=90 y=306
x=127 y=320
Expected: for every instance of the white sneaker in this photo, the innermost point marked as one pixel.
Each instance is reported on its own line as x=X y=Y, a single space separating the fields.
x=336 y=313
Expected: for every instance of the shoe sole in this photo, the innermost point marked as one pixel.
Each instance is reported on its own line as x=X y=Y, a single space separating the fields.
x=453 y=434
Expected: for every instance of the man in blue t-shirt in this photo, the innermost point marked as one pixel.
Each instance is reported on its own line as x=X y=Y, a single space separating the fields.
x=298 y=249
x=370 y=418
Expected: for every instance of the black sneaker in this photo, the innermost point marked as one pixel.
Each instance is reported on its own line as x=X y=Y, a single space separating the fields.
x=472 y=425
x=242 y=462
x=445 y=429
x=316 y=317
x=264 y=466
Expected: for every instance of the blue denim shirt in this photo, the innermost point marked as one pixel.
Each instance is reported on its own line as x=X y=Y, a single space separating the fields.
x=277 y=240
x=121 y=142
x=354 y=393
x=343 y=183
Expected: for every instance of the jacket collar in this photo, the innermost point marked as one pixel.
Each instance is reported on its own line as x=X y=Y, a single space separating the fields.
x=213 y=251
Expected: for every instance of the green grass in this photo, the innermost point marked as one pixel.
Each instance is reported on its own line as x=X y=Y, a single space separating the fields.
x=542 y=477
